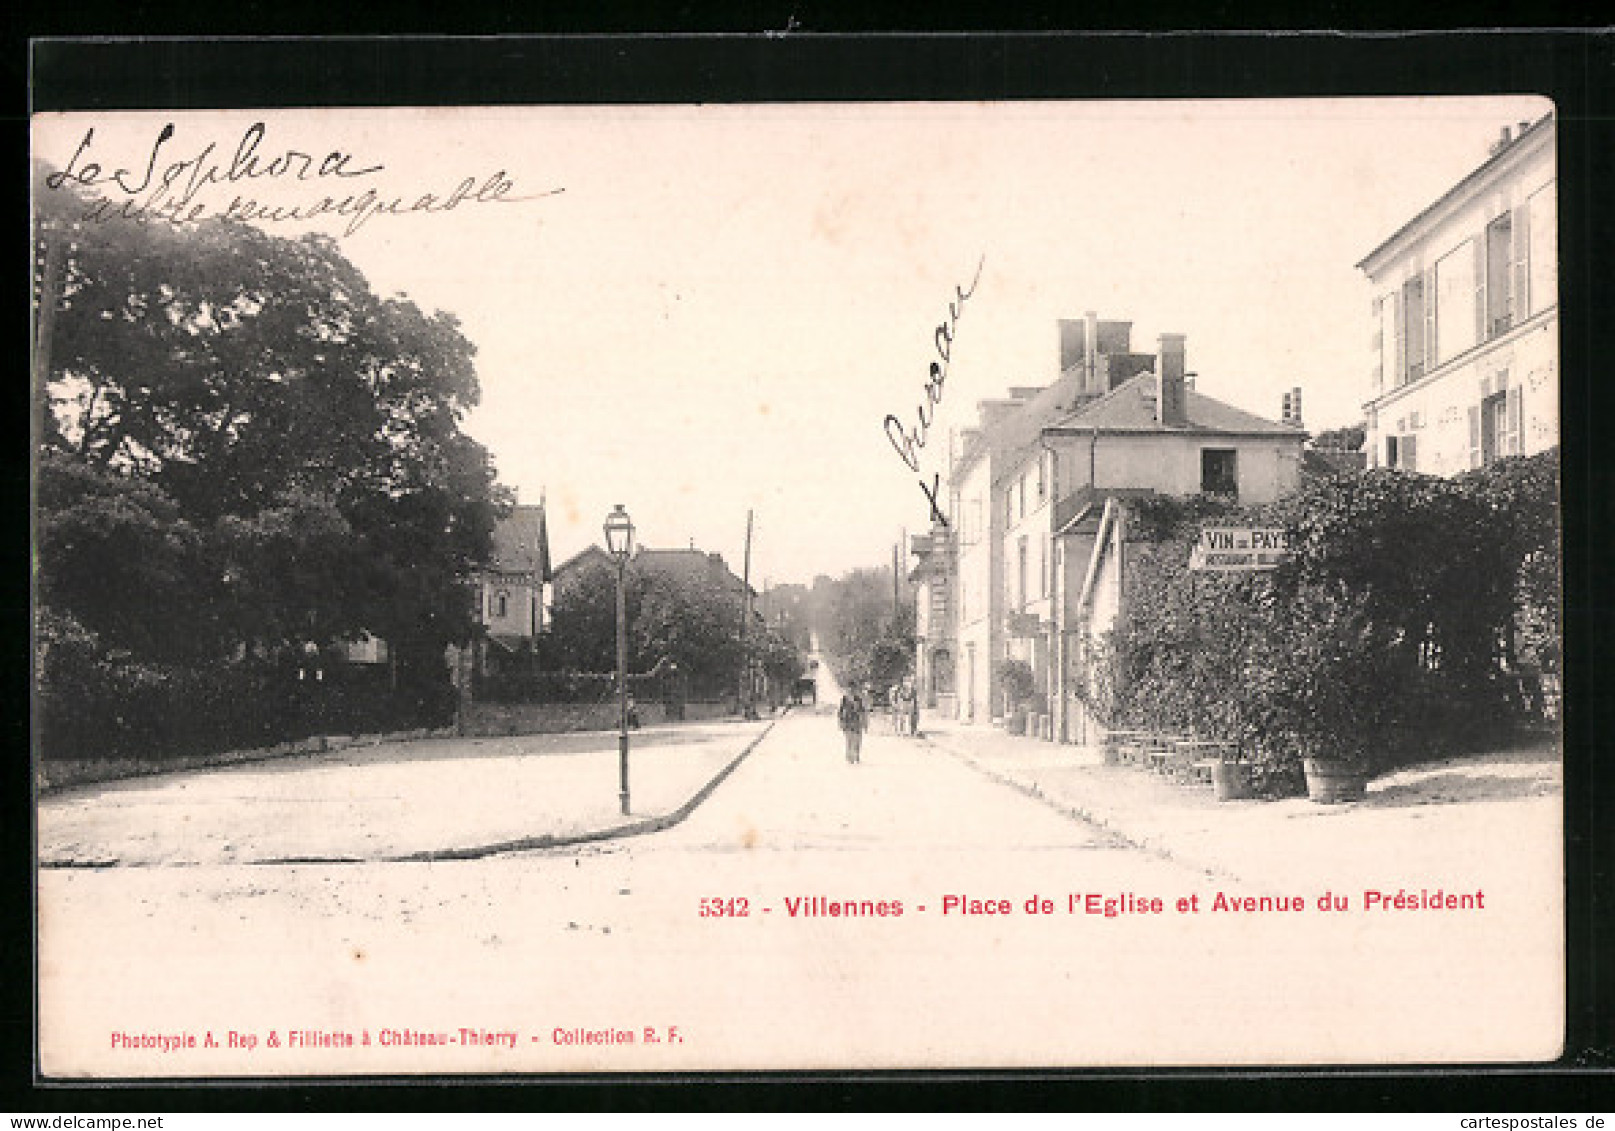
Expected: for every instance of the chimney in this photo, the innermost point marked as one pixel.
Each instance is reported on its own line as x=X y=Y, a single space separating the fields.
x=1171 y=407
x=1504 y=136
x=1292 y=408
x=1073 y=343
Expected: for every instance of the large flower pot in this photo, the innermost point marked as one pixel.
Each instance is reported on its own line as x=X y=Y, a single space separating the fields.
x=1330 y=782
x=1233 y=781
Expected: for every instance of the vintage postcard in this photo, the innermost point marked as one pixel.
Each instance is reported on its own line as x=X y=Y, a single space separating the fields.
x=558 y=589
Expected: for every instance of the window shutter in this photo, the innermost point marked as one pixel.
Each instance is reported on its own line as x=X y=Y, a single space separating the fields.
x=1410 y=452
x=1399 y=357
x=1516 y=438
x=1520 y=261
x=1474 y=435
x=1481 y=329
x=1429 y=319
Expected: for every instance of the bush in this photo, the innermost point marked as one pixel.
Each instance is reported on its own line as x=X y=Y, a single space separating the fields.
x=1378 y=643
x=98 y=705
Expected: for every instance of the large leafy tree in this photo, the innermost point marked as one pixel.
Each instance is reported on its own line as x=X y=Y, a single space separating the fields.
x=870 y=636
x=239 y=417
x=675 y=618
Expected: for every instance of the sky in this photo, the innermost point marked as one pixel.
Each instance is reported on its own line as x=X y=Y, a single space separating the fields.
x=700 y=311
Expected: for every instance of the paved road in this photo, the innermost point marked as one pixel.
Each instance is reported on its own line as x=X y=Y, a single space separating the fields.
x=606 y=940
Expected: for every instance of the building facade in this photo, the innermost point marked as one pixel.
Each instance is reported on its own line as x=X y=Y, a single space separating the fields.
x=1464 y=324
x=1039 y=496
x=512 y=589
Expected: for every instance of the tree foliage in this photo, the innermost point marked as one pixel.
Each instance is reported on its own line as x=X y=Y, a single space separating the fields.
x=688 y=621
x=1383 y=640
x=242 y=447
x=869 y=634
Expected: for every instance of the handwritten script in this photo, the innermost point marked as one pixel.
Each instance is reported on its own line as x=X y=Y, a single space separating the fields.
x=171 y=186
x=908 y=442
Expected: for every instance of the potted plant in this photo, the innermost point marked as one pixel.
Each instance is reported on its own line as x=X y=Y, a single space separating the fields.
x=1019 y=686
x=1333 y=780
x=1232 y=777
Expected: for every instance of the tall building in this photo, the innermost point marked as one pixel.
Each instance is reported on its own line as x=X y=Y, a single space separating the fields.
x=1464 y=320
x=1032 y=565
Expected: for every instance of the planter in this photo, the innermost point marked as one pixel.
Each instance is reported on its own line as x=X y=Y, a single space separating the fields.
x=1233 y=781
x=1330 y=782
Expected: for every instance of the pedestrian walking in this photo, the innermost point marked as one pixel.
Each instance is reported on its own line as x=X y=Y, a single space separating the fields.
x=913 y=711
x=853 y=718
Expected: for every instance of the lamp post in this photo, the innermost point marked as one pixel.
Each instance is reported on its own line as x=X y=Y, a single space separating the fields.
x=620 y=543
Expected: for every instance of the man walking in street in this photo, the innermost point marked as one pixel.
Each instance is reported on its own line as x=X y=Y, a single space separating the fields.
x=853 y=718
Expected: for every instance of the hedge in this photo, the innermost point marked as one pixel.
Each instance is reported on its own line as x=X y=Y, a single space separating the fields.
x=91 y=705
x=1395 y=633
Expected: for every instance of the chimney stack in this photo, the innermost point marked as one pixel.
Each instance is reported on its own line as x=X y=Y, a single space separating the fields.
x=1073 y=348
x=1292 y=408
x=1171 y=399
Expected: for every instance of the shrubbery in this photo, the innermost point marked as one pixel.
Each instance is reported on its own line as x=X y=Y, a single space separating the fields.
x=1393 y=635
x=92 y=704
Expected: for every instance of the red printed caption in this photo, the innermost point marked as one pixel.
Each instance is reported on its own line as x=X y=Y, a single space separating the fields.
x=387 y=1037
x=1107 y=905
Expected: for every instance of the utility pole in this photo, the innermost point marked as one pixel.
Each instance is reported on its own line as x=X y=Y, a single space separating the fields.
x=747 y=707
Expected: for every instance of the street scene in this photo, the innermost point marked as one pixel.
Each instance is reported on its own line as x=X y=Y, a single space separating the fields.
x=498 y=612
x=610 y=935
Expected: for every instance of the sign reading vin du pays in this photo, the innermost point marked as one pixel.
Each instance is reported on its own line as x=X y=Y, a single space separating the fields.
x=1240 y=548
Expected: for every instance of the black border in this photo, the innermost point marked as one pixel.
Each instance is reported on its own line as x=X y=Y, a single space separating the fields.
x=790 y=62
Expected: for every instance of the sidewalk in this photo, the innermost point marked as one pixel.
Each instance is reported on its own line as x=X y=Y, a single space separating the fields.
x=444 y=798
x=1456 y=824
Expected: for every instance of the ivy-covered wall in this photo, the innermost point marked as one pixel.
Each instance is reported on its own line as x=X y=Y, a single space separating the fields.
x=1404 y=626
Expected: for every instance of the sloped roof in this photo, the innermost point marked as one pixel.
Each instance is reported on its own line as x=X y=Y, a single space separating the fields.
x=688 y=563
x=587 y=556
x=521 y=543
x=1130 y=407
x=1020 y=428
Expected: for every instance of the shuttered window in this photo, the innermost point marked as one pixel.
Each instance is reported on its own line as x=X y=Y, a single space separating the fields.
x=1455 y=301
x=1499 y=275
x=1543 y=251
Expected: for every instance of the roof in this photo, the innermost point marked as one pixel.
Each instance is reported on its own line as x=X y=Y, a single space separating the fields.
x=521 y=543
x=1130 y=407
x=1020 y=428
x=1507 y=153
x=688 y=563
x=587 y=556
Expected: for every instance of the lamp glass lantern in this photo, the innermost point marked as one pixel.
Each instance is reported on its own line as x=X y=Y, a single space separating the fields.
x=619 y=530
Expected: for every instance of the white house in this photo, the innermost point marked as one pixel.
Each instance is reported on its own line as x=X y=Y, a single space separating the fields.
x=1464 y=320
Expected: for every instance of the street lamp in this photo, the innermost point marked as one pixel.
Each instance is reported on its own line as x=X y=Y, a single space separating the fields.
x=620 y=543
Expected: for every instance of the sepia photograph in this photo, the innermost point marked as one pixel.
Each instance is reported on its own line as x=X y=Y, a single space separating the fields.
x=691 y=587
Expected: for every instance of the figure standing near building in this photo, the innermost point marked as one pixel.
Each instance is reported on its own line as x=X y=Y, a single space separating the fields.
x=911 y=699
x=853 y=718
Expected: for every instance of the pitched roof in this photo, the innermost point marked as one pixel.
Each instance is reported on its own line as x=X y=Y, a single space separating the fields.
x=588 y=555
x=521 y=543
x=1130 y=407
x=688 y=563
x=1020 y=427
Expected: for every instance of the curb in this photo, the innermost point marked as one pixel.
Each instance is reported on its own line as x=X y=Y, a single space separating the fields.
x=1151 y=845
x=528 y=844
x=521 y=844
